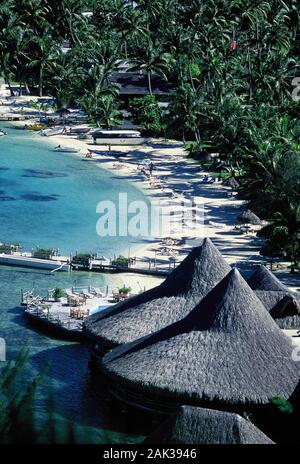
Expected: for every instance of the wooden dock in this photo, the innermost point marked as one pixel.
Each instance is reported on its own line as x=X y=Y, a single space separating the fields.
x=64 y=318
x=54 y=263
x=134 y=269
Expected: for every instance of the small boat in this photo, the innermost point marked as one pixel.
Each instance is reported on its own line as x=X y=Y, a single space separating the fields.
x=67 y=149
x=2 y=133
x=55 y=131
x=36 y=263
x=34 y=127
x=117 y=137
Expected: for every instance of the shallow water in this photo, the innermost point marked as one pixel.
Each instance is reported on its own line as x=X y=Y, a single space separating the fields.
x=49 y=199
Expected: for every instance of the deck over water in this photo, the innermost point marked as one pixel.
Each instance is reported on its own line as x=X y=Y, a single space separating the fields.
x=64 y=315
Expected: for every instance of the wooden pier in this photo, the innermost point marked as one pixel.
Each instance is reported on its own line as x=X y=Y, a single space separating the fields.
x=135 y=269
x=64 y=318
x=87 y=262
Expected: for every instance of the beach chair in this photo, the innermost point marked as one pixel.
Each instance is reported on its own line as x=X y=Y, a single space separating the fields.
x=96 y=292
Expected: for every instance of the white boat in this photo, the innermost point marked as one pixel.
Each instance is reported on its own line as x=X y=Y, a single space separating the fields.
x=26 y=261
x=117 y=137
x=54 y=131
x=2 y=133
x=67 y=149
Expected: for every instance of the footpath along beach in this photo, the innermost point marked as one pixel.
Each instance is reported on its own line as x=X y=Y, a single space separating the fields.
x=176 y=182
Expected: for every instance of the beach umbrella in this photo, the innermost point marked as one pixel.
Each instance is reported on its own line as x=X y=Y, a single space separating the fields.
x=150 y=311
x=63 y=111
x=233 y=183
x=248 y=217
x=193 y=426
x=227 y=353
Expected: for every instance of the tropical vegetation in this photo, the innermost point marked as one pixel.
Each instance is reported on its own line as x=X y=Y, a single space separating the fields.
x=231 y=65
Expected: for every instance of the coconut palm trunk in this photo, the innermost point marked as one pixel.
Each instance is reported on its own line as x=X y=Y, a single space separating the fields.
x=41 y=76
x=150 y=83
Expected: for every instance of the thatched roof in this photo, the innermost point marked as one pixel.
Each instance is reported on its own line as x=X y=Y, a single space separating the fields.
x=283 y=307
x=148 y=312
x=280 y=304
x=248 y=217
x=289 y=322
x=133 y=83
x=233 y=183
x=228 y=351
x=263 y=279
x=192 y=426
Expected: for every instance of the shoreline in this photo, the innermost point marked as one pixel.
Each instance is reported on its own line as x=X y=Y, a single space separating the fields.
x=174 y=172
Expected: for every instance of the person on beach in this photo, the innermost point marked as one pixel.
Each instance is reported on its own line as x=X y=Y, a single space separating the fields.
x=151 y=167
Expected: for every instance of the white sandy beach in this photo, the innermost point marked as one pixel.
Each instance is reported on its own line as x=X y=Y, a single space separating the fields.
x=175 y=181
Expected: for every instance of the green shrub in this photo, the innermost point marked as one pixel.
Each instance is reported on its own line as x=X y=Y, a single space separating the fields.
x=147 y=114
x=125 y=290
x=121 y=261
x=58 y=293
x=82 y=258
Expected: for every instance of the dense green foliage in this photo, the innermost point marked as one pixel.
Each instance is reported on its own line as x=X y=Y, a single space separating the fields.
x=146 y=113
x=16 y=411
x=231 y=64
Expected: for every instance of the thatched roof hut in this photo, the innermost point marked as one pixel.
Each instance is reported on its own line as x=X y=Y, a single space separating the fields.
x=283 y=307
x=248 y=217
x=282 y=304
x=193 y=426
x=148 y=312
x=265 y=280
x=228 y=352
x=233 y=183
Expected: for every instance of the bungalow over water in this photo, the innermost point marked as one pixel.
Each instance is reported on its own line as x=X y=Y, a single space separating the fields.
x=227 y=353
x=172 y=300
x=190 y=426
x=153 y=310
x=283 y=305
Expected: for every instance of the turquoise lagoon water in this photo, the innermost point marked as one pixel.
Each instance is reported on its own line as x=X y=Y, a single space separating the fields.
x=49 y=199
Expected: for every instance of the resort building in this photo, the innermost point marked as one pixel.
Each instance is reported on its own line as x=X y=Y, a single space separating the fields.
x=227 y=353
x=159 y=307
x=190 y=426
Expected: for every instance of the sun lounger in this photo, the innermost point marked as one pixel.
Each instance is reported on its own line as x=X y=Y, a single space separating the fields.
x=96 y=292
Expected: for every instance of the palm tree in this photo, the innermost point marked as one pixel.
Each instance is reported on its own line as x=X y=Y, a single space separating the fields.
x=70 y=23
x=185 y=111
x=60 y=78
x=151 y=59
x=286 y=225
x=108 y=113
x=103 y=110
x=46 y=52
